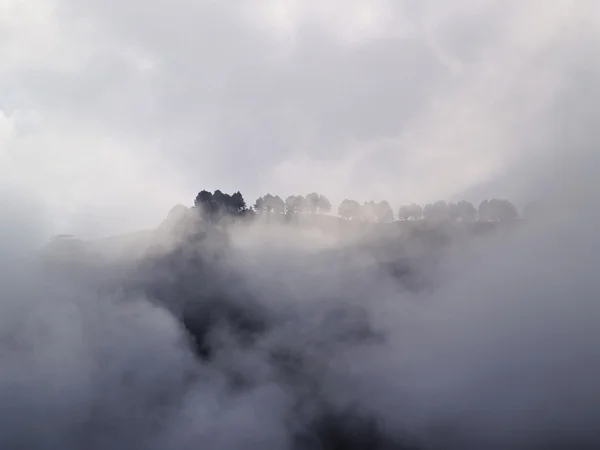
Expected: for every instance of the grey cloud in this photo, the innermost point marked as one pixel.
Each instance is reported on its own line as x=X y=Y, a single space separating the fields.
x=499 y=350
x=221 y=74
x=206 y=85
x=443 y=98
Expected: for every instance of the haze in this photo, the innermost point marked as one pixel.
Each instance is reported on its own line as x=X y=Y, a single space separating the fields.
x=408 y=101
x=210 y=325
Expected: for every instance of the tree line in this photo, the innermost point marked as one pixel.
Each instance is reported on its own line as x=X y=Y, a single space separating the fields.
x=218 y=204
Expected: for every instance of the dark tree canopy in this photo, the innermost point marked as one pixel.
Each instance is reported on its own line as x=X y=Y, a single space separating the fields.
x=295 y=204
x=368 y=211
x=277 y=204
x=237 y=202
x=204 y=200
x=312 y=203
x=436 y=212
x=269 y=204
x=466 y=212
x=324 y=205
x=496 y=210
x=384 y=212
x=316 y=203
x=220 y=204
x=350 y=210
x=410 y=212
x=377 y=212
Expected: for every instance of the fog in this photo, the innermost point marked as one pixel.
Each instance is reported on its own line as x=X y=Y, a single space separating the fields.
x=275 y=336
x=403 y=100
x=257 y=334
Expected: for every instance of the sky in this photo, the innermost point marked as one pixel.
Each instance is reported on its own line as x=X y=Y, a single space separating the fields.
x=113 y=111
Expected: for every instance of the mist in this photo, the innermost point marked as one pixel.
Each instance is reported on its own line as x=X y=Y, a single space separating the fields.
x=253 y=334
x=261 y=335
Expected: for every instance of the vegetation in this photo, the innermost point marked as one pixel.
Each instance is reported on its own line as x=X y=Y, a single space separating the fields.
x=217 y=205
x=231 y=313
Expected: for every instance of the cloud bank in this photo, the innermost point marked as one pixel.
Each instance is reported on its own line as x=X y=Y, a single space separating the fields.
x=273 y=338
x=396 y=100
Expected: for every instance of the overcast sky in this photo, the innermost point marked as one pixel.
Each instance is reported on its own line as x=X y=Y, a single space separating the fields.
x=113 y=111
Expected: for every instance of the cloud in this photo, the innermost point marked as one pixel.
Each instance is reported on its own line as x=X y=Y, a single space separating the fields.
x=411 y=102
x=110 y=112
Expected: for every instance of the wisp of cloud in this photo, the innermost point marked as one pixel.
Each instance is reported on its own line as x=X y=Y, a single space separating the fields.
x=327 y=335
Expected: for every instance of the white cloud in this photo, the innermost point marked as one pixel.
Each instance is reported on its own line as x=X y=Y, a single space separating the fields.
x=399 y=100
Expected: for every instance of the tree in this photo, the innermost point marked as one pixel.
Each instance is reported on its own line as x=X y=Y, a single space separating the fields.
x=453 y=211
x=508 y=211
x=436 y=212
x=428 y=211
x=485 y=211
x=269 y=204
x=323 y=204
x=277 y=205
x=217 y=204
x=410 y=212
x=350 y=210
x=496 y=210
x=368 y=211
x=237 y=203
x=312 y=202
x=290 y=203
x=221 y=203
x=260 y=205
x=264 y=204
x=384 y=212
x=295 y=204
x=466 y=212
x=204 y=201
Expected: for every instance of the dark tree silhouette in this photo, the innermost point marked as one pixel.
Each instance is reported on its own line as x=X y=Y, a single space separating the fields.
x=204 y=200
x=509 y=211
x=384 y=212
x=428 y=211
x=237 y=203
x=259 y=205
x=436 y=212
x=485 y=211
x=462 y=211
x=277 y=205
x=263 y=204
x=350 y=210
x=312 y=203
x=496 y=210
x=295 y=204
x=269 y=204
x=410 y=212
x=324 y=205
x=219 y=204
x=368 y=211
x=466 y=212
x=316 y=203
x=290 y=204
